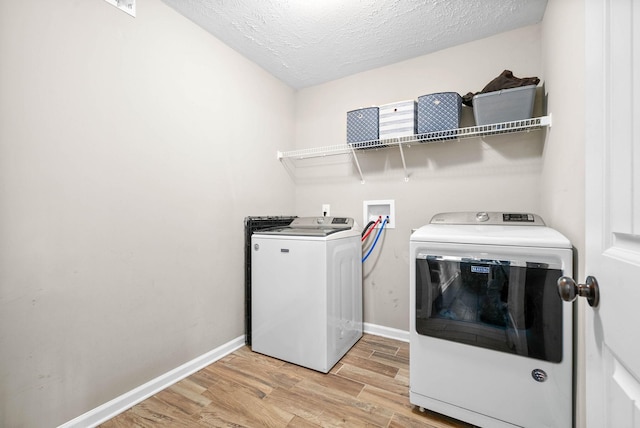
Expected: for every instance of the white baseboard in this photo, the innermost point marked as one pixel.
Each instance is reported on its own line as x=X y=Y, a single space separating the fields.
x=391 y=333
x=129 y=399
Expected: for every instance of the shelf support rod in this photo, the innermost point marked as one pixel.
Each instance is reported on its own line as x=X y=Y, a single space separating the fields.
x=355 y=158
x=404 y=163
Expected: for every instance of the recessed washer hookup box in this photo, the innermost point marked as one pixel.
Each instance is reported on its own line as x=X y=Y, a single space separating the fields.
x=507 y=105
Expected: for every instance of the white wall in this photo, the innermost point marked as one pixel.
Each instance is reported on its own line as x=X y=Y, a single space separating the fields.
x=563 y=174
x=497 y=173
x=130 y=152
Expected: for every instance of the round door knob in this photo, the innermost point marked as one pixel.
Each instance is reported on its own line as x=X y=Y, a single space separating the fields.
x=569 y=290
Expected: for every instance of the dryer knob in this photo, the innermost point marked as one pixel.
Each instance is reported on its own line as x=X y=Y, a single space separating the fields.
x=482 y=216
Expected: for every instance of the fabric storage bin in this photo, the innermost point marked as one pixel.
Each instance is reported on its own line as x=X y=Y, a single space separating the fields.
x=398 y=119
x=362 y=125
x=506 y=105
x=439 y=112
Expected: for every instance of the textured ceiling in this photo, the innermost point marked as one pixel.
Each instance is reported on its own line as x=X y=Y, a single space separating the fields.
x=307 y=42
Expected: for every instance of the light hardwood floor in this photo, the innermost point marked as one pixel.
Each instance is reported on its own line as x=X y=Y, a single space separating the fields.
x=369 y=387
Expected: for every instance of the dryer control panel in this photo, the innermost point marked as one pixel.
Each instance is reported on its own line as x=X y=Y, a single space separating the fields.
x=484 y=217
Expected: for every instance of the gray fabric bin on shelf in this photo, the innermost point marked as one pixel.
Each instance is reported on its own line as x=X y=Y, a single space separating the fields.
x=439 y=112
x=362 y=126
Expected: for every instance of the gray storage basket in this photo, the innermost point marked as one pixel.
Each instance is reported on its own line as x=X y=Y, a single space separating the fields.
x=507 y=105
x=439 y=113
x=363 y=126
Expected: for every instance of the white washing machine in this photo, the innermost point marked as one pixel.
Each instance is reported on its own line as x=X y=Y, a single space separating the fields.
x=491 y=340
x=307 y=291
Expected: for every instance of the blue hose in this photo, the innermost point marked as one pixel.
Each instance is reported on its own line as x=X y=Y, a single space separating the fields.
x=376 y=240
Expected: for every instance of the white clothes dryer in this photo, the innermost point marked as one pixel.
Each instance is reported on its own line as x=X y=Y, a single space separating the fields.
x=491 y=340
x=307 y=291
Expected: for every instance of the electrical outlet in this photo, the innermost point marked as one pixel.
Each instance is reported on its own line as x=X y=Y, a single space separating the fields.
x=326 y=210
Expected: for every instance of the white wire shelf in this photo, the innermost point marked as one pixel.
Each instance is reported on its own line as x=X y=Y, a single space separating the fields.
x=524 y=125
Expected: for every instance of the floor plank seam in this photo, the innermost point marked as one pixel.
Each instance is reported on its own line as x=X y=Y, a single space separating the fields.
x=369 y=387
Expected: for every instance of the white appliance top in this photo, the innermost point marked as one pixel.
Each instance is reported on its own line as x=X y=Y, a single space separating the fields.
x=490 y=228
x=312 y=226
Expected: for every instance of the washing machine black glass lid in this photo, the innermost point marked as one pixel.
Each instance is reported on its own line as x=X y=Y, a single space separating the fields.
x=312 y=226
x=507 y=306
x=304 y=231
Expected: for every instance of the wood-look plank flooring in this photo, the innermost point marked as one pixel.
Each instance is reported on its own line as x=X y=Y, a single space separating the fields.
x=369 y=387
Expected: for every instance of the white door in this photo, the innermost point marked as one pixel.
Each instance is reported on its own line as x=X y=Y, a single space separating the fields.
x=613 y=212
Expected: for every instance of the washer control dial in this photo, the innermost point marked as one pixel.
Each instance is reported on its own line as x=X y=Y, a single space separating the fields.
x=482 y=216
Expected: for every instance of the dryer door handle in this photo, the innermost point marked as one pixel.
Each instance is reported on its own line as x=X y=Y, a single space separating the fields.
x=570 y=291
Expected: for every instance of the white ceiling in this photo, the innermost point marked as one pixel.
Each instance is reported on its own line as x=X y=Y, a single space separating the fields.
x=307 y=42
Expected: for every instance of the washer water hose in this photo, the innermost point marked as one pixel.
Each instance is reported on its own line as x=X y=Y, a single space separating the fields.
x=376 y=240
x=369 y=228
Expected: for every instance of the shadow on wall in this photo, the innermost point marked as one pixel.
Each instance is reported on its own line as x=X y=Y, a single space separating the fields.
x=495 y=155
